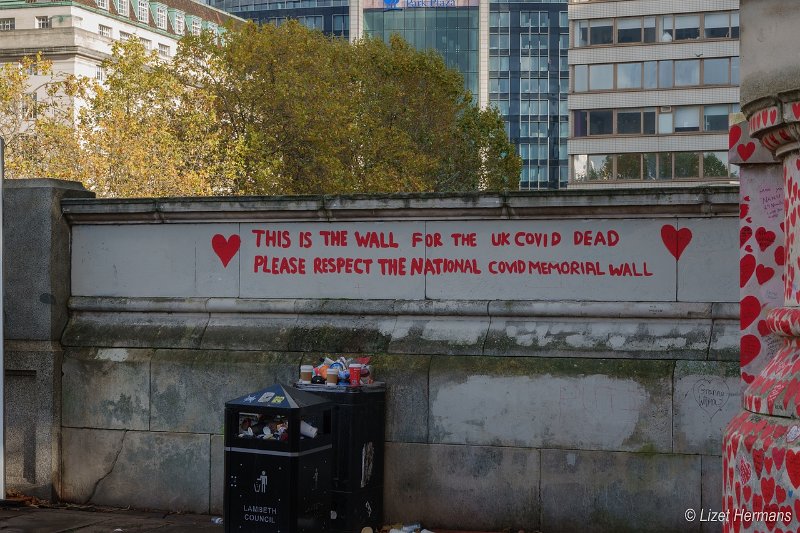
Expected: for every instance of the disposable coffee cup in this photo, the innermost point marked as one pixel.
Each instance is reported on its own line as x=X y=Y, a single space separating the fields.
x=355 y=375
x=333 y=377
x=307 y=430
x=306 y=371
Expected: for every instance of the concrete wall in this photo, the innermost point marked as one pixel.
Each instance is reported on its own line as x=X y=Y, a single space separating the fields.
x=36 y=269
x=533 y=401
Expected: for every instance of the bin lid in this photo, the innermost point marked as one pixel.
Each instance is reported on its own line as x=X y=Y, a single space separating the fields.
x=277 y=397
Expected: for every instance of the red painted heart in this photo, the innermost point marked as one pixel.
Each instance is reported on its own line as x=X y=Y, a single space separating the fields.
x=773 y=115
x=225 y=248
x=777 y=456
x=743 y=209
x=764 y=238
x=780 y=493
x=763 y=329
x=734 y=135
x=746 y=151
x=747 y=266
x=675 y=240
x=780 y=257
x=758 y=461
x=749 y=309
x=796 y=111
x=745 y=232
x=793 y=467
x=764 y=274
x=767 y=488
x=750 y=348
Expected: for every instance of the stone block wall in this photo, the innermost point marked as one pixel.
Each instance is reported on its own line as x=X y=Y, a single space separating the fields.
x=539 y=414
x=36 y=272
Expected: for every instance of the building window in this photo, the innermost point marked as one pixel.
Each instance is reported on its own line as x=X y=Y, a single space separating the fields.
x=123 y=7
x=161 y=17
x=498 y=42
x=43 y=23
x=163 y=51
x=629 y=76
x=7 y=24
x=499 y=19
x=341 y=25
x=627 y=30
x=124 y=36
x=196 y=26
x=601 y=31
x=147 y=43
x=312 y=22
x=105 y=31
x=102 y=4
x=601 y=77
x=601 y=122
x=715 y=118
x=99 y=73
x=652 y=166
x=656 y=75
x=143 y=10
x=500 y=63
x=180 y=23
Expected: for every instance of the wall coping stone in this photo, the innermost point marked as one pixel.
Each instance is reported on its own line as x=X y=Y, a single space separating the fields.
x=443 y=308
x=703 y=201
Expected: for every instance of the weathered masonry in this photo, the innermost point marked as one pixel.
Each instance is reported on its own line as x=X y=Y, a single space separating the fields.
x=576 y=347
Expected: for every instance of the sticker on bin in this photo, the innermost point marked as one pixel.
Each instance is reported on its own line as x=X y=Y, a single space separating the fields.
x=267 y=396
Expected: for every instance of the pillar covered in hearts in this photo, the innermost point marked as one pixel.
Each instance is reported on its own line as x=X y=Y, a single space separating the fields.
x=761 y=447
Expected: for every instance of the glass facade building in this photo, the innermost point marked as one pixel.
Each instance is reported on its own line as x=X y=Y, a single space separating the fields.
x=513 y=55
x=528 y=82
x=329 y=16
x=452 y=32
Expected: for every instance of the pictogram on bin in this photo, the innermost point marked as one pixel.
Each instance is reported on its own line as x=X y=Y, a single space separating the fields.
x=278 y=457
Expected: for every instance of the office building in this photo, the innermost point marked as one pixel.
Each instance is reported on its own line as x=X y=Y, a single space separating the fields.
x=513 y=55
x=653 y=83
x=76 y=35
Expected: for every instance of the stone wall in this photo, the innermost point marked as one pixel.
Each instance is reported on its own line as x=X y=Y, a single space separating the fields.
x=36 y=270
x=603 y=414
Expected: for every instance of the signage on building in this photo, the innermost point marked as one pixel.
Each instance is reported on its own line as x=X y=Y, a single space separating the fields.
x=414 y=4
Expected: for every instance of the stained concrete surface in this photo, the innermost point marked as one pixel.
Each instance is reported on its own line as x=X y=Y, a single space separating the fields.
x=56 y=520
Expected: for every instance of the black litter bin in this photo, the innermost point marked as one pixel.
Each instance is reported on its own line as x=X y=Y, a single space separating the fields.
x=278 y=457
x=357 y=471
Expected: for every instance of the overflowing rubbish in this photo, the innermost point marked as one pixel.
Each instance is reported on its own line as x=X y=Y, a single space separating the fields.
x=341 y=372
x=405 y=528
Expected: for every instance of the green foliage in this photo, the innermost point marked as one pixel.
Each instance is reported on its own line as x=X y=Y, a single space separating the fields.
x=272 y=110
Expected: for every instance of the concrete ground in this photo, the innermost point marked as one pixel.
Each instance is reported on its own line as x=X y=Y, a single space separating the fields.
x=88 y=519
x=96 y=520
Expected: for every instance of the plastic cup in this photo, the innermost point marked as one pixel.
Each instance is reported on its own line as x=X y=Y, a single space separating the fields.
x=355 y=375
x=333 y=377
x=306 y=371
x=307 y=430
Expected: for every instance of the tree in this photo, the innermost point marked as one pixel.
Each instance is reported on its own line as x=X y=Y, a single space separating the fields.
x=37 y=120
x=269 y=110
x=304 y=113
x=146 y=134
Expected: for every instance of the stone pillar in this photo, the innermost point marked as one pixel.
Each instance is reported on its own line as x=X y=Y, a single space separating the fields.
x=37 y=286
x=761 y=448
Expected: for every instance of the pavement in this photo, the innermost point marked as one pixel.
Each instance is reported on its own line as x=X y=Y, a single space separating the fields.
x=83 y=519
x=63 y=518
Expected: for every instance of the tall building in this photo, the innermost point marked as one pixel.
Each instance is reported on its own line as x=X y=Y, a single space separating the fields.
x=653 y=83
x=513 y=55
x=76 y=35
